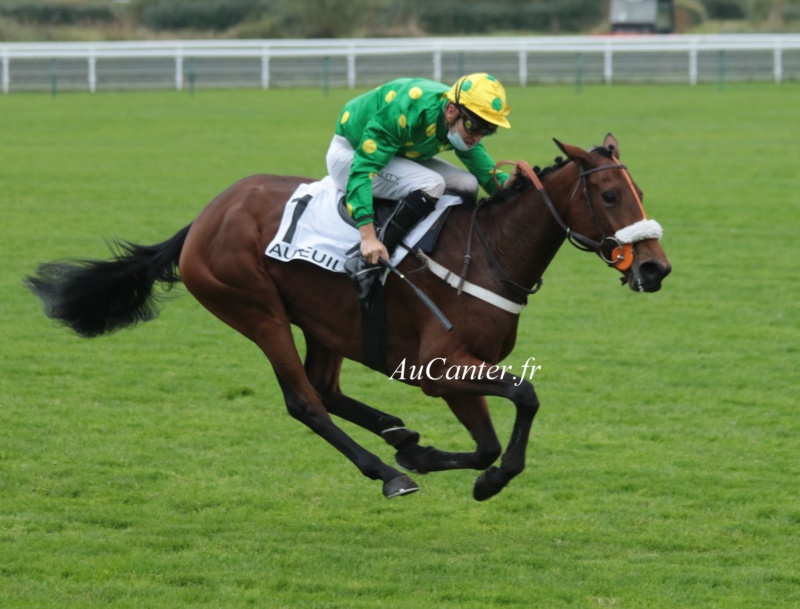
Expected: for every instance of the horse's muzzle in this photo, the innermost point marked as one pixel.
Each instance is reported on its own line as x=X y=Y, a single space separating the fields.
x=647 y=276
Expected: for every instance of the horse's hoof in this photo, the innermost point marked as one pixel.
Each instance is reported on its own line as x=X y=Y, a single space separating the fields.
x=488 y=484
x=401 y=485
x=397 y=436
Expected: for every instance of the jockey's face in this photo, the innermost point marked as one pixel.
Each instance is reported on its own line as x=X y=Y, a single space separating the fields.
x=455 y=120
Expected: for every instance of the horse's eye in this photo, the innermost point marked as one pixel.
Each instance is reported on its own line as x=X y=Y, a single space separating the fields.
x=609 y=196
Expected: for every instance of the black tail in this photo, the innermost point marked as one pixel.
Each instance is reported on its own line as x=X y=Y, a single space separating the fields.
x=95 y=297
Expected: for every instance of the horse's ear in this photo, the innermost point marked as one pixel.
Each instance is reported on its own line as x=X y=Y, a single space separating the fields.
x=612 y=144
x=580 y=156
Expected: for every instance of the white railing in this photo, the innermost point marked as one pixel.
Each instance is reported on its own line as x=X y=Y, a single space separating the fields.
x=365 y=62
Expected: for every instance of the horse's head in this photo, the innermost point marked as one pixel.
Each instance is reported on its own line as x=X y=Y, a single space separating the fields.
x=606 y=216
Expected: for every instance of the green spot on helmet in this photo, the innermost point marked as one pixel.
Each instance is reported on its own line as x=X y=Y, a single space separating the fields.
x=483 y=95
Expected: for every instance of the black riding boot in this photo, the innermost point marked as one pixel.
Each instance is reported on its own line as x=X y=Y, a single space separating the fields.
x=410 y=210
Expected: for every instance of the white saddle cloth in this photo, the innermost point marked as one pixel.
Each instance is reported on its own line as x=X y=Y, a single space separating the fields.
x=312 y=229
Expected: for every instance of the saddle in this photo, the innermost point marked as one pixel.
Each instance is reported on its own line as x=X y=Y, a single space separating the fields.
x=383 y=209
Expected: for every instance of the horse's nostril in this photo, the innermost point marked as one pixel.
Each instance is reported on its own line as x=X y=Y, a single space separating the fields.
x=652 y=271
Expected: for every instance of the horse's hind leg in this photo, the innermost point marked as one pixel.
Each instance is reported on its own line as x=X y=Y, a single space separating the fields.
x=323 y=368
x=259 y=315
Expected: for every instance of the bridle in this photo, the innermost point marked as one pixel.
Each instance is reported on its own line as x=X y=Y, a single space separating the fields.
x=621 y=243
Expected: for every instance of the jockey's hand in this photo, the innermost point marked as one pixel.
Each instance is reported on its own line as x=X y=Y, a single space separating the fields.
x=371 y=247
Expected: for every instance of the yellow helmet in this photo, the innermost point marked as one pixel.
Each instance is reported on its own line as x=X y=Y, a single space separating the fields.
x=483 y=95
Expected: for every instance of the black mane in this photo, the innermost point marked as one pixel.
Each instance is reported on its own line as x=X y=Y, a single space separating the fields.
x=524 y=182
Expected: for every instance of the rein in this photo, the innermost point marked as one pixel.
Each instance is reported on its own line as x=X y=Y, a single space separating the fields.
x=621 y=242
x=578 y=240
x=460 y=283
x=504 y=278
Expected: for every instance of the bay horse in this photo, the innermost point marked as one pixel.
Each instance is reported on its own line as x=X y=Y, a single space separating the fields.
x=588 y=198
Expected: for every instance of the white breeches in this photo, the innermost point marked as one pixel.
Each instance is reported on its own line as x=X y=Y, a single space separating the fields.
x=401 y=176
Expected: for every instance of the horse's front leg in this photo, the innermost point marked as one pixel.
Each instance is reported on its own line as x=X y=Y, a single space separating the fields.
x=304 y=404
x=492 y=381
x=323 y=368
x=473 y=413
x=312 y=413
x=494 y=479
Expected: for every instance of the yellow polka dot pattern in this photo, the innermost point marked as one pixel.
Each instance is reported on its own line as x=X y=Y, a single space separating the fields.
x=407 y=112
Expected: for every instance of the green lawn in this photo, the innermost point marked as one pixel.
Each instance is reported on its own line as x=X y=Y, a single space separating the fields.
x=158 y=467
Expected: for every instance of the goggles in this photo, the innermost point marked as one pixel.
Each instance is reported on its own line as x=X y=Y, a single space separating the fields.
x=476 y=126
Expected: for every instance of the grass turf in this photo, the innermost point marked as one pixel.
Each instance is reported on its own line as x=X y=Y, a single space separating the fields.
x=158 y=467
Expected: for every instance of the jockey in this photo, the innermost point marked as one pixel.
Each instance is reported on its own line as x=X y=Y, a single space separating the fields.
x=385 y=145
